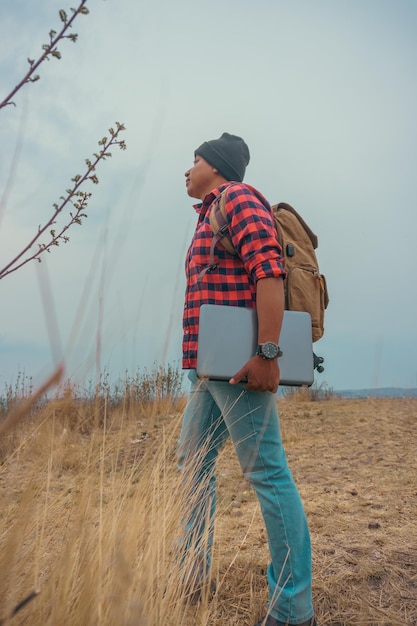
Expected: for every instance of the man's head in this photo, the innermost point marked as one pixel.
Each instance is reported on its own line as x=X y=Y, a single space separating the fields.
x=229 y=155
x=215 y=162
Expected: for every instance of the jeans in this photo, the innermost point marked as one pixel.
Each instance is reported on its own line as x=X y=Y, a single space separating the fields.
x=215 y=411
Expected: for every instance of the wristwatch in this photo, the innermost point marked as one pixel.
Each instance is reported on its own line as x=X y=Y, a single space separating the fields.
x=268 y=350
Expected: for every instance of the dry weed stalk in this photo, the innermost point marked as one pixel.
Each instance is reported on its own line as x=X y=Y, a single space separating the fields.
x=19 y=607
x=100 y=528
x=26 y=405
x=92 y=519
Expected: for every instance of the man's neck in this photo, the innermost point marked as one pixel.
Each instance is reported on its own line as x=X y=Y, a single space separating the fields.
x=214 y=184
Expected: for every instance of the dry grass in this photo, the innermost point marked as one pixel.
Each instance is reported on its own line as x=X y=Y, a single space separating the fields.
x=91 y=503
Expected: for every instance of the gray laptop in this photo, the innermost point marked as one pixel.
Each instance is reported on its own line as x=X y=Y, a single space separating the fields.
x=228 y=337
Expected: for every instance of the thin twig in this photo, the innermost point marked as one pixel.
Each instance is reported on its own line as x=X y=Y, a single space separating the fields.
x=80 y=205
x=49 y=49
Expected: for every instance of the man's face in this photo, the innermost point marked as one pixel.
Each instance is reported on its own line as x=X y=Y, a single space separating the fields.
x=200 y=179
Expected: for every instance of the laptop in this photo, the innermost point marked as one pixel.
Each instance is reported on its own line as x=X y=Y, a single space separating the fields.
x=228 y=337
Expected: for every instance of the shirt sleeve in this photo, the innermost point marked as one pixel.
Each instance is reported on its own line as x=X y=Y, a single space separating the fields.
x=252 y=230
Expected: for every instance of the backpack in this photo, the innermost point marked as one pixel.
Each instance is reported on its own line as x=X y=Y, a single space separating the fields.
x=305 y=287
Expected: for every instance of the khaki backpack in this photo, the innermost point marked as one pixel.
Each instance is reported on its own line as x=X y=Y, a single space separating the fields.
x=305 y=287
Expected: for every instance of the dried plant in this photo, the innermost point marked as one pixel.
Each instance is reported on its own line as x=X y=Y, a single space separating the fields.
x=49 y=50
x=75 y=197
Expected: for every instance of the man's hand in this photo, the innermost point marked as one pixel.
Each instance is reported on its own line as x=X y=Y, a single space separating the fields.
x=261 y=374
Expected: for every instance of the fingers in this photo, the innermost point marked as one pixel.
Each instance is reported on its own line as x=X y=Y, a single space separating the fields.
x=238 y=376
x=255 y=384
x=258 y=376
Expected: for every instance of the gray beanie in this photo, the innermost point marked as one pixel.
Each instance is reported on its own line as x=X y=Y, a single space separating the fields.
x=229 y=155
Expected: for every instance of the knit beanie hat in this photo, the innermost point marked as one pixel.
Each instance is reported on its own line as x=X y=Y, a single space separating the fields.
x=229 y=155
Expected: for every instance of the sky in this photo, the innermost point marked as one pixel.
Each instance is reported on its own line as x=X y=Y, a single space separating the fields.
x=324 y=93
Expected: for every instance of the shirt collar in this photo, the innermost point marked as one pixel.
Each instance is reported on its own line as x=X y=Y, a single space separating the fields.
x=202 y=207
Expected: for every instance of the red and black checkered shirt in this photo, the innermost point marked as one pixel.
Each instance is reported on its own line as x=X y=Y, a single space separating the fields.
x=233 y=279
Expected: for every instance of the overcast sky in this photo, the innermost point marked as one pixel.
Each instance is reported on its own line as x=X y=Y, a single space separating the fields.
x=324 y=92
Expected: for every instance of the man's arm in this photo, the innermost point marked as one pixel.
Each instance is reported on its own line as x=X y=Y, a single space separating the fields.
x=263 y=374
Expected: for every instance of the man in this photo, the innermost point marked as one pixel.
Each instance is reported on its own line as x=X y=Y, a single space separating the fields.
x=246 y=412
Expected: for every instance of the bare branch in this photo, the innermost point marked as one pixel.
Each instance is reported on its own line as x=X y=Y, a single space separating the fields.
x=74 y=196
x=49 y=49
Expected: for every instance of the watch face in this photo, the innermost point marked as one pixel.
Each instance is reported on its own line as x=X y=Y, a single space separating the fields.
x=270 y=350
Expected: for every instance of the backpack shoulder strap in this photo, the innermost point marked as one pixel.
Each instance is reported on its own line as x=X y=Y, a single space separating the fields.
x=218 y=223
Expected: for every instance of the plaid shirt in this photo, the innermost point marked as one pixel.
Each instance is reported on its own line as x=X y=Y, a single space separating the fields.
x=233 y=280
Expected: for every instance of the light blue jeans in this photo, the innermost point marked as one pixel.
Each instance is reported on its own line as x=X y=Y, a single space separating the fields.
x=215 y=411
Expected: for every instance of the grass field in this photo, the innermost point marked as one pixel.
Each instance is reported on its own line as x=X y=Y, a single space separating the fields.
x=91 y=504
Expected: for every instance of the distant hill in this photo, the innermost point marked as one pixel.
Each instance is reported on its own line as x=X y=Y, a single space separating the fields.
x=383 y=392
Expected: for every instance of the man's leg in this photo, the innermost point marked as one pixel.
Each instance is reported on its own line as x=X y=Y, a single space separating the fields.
x=253 y=423
x=202 y=435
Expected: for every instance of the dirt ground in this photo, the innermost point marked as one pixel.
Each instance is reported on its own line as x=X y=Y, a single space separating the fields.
x=354 y=462
x=355 y=465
